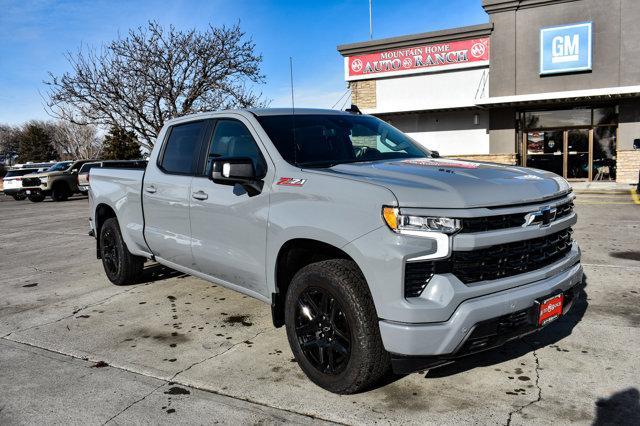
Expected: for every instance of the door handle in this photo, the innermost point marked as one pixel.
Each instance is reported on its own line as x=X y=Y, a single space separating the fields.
x=150 y=189
x=200 y=195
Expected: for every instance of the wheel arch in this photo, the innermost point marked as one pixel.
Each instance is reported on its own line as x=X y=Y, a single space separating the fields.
x=294 y=255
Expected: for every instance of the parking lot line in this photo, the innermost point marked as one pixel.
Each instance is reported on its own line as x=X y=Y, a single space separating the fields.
x=634 y=196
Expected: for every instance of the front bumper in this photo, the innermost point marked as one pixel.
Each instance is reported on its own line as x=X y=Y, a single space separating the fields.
x=449 y=337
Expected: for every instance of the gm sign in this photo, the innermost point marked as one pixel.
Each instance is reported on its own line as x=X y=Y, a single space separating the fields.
x=565 y=49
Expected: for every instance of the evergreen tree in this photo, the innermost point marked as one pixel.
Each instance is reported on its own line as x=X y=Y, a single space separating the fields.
x=36 y=144
x=120 y=144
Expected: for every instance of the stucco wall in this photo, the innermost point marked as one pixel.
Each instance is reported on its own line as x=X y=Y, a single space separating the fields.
x=432 y=91
x=450 y=133
x=515 y=49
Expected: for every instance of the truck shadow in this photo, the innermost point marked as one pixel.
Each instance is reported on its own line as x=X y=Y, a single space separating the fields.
x=620 y=408
x=548 y=336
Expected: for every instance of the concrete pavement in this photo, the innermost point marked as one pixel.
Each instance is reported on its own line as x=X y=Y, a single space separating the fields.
x=59 y=317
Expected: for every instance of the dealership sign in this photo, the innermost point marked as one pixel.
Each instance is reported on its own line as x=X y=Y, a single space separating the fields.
x=418 y=59
x=565 y=48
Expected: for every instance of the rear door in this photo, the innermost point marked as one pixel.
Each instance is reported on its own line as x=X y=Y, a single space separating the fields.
x=228 y=226
x=166 y=193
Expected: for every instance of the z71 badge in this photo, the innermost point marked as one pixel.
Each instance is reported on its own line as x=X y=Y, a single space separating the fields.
x=286 y=181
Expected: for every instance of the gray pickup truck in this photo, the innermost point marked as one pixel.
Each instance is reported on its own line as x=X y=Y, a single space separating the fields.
x=372 y=251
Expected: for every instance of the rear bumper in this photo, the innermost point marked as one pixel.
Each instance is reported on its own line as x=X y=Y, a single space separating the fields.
x=449 y=338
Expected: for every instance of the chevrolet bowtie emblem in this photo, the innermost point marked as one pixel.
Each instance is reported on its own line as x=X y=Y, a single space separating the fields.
x=542 y=217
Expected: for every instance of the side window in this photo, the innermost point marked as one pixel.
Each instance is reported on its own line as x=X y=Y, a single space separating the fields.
x=231 y=138
x=180 y=151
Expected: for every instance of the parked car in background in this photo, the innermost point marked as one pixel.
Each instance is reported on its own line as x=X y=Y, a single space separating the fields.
x=58 y=181
x=12 y=182
x=31 y=165
x=83 y=173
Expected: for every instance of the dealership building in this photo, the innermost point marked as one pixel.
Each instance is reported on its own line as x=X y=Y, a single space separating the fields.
x=551 y=84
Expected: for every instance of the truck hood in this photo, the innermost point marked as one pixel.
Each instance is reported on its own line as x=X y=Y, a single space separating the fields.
x=46 y=174
x=446 y=183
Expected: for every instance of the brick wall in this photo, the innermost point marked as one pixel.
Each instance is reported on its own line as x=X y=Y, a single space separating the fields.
x=363 y=93
x=493 y=158
x=628 y=165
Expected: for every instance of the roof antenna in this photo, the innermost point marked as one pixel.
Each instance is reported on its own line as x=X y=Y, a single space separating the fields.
x=353 y=109
x=293 y=114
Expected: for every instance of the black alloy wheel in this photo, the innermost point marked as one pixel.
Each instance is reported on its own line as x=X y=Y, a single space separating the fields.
x=322 y=330
x=36 y=197
x=109 y=252
x=121 y=267
x=332 y=327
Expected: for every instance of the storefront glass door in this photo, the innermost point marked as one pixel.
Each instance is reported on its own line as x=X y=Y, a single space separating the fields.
x=578 y=144
x=545 y=151
x=577 y=154
x=604 y=153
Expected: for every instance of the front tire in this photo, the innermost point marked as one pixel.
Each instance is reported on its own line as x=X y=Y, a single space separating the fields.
x=19 y=196
x=121 y=267
x=332 y=327
x=37 y=197
x=60 y=193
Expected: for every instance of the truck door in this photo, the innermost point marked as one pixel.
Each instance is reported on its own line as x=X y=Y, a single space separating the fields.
x=166 y=192
x=229 y=227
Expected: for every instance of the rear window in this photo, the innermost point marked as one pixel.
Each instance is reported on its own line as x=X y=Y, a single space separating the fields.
x=181 y=149
x=86 y=167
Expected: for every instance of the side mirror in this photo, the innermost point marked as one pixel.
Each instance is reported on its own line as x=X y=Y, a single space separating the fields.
x=237 y=170
x=233 y=170
x=435 y=154
x=74 y=171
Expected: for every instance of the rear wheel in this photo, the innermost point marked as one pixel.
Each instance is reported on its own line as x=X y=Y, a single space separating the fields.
x=121 y=267
x=332 y=327
x=36 y=197
x=19 y=196
x=60 y=192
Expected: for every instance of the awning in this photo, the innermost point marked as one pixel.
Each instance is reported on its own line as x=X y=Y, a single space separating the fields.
x=607 y=93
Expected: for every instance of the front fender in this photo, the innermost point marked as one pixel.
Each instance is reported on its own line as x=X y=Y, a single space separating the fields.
x=328 y=209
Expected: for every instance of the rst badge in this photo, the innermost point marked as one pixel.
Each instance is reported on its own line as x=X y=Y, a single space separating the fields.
x=287 y=181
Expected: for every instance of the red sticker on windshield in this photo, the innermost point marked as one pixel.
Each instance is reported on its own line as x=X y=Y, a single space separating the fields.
x=286 y=181
x=443 y=163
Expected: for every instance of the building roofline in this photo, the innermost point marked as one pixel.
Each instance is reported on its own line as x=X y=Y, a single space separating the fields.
x=451 y=34
x=493 y=6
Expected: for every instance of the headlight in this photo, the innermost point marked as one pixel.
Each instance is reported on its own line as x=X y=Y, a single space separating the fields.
x=44 y=179
x=406 y=224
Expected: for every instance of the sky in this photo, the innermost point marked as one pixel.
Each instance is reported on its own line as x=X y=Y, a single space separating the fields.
x=36 y=34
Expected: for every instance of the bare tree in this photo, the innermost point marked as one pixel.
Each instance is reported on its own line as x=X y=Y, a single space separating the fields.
x=76 y=141
x=154 y=74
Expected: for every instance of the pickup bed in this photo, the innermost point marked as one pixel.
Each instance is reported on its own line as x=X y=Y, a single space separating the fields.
x=371 y=250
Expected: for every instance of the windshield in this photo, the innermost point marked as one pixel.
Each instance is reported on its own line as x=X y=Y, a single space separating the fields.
x=324 y=140
x=58 y=167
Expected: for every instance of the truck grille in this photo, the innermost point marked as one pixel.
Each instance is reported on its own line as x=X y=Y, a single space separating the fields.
x=416 y=277
x=490 y=263
x=30 y=181
x=492 y=223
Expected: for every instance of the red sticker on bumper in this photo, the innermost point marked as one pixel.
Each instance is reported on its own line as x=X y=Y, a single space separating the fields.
x=550 y=309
